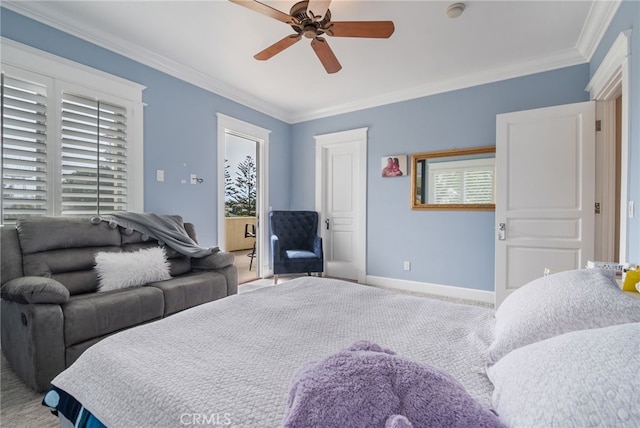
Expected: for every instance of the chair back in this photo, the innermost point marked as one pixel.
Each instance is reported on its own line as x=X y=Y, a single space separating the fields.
x=294 y=229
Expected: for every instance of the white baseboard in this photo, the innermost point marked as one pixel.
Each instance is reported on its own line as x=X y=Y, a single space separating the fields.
x=427 y=288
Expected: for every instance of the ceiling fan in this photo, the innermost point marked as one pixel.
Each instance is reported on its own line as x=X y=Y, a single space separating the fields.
x=312 y=19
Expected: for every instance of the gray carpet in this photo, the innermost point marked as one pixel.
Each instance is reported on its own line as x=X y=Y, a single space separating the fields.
x=21 y=407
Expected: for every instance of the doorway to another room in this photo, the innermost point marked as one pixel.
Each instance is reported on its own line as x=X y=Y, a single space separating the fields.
x=240 y=203
x=243 y=183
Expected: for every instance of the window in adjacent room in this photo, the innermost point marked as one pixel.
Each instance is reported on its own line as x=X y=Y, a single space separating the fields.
x=68 y=148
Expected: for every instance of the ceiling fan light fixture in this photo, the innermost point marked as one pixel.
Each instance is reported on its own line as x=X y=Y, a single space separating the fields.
x=455 y=10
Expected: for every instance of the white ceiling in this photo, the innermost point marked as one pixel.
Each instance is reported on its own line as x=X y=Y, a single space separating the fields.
x=212 y=43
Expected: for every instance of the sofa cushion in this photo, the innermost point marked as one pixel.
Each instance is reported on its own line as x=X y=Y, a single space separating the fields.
x=35 y=289
x=72 y=267
x=95 y=314
x=190 y=290
x=64 y=232
x=217 y=260
x=133 y=241
x=11 y=254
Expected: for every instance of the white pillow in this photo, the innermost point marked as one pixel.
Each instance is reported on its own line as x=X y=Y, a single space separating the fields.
x=585 y=378
x=130 y=269
x=557 y=304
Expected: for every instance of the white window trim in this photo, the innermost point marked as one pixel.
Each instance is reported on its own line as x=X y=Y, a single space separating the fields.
x=69 y=74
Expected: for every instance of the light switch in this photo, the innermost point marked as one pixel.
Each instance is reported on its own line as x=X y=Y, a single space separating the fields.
x=160 y=175
x=632 y=209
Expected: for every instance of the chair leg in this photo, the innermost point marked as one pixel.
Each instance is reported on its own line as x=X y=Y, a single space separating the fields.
x=252 y=254
x=275 y=279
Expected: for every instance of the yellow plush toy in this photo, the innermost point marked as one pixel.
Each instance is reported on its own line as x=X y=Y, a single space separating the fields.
x=631 y=278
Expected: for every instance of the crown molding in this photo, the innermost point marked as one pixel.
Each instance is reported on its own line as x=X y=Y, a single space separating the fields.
x=48 y=15
x=530 y=66
x=600 y=16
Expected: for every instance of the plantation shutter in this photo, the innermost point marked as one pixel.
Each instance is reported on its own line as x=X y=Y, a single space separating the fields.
x=93 y=156
x=24 y=149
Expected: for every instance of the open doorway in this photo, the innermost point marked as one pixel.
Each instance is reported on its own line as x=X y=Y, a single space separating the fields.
x=245 y=165
x=240 y=200
x=609 y=86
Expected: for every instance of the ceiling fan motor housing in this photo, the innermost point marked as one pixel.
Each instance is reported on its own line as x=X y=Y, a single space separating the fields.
x=307 y=26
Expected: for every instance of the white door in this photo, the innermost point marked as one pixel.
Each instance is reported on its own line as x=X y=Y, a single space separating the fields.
x=545 y=193
x=340 y=200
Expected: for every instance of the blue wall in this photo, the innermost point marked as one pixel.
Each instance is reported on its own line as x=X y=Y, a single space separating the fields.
x=444 y=247
x=180 y=128
x=454 y=248
x=627 y=18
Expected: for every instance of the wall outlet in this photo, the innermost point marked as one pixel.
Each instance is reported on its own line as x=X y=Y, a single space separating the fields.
x=159 y=175
x=407 y=265
x=194 y=179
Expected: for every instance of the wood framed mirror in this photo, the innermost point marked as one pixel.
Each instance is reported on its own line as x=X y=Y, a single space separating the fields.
x=457 y=179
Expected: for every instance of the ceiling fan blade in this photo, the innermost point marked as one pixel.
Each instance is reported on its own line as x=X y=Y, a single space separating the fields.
x=325 y=55
x=317 y=9
x=266 y=10
x=373 y=29
x=277 y=47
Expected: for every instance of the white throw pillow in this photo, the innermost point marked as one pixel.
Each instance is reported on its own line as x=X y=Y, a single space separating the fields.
x=557 y=304
x=130 y=269
x=586 y=378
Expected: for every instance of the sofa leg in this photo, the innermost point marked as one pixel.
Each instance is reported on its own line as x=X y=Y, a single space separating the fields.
x=275 y=279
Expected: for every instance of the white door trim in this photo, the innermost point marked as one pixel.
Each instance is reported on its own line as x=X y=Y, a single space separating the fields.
x=605 y=181
x=358 y=136
x=261 y=136
x=610 y=80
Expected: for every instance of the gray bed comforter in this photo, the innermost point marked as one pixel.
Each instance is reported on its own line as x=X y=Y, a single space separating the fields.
x=233 y=359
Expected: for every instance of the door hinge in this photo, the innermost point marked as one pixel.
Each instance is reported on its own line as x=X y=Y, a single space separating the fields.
x=597 y=207
x=598 y=125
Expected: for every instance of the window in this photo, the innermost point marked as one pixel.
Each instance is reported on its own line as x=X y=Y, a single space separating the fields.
x=71 y=138
x=462 y=182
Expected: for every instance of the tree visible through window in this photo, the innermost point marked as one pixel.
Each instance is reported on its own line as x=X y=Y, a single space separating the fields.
x=240 y=194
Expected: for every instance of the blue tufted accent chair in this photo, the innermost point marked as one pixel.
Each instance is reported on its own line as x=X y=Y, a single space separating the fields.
x=295 y=244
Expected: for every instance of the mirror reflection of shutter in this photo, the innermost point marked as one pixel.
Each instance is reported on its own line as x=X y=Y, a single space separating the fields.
x=94 y=156
x=24 y=149
x=478 y=186
x=447 y=186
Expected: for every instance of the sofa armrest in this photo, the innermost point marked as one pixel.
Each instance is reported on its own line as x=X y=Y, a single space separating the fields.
x=34 y=289
x=217 y=260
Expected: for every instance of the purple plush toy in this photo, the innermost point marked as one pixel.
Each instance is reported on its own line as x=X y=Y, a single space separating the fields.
x=368 y=386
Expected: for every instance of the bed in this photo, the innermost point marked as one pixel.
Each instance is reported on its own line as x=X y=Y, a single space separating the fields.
x=231 y=362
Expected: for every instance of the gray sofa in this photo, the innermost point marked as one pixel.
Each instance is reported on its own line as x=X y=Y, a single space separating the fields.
x=51 y=308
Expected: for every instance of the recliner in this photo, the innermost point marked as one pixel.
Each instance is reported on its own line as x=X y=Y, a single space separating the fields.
x=295 y=244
